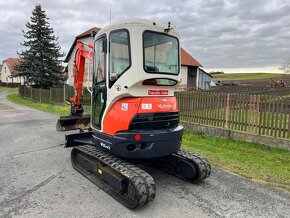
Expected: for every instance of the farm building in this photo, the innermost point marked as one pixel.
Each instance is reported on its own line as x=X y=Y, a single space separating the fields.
x=191 y=74
x=8 y=73
x=204 y=80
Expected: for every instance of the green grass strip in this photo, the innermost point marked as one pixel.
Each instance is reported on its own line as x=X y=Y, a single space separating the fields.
x=8 y=89
x=251 y=160
x=61 y=110
x=246 y=76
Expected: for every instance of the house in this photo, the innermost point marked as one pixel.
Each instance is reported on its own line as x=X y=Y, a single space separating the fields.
x=191 y=74
x=8 y=73
x=0 y=72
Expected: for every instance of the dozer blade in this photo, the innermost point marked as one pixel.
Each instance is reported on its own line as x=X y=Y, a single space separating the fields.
x=66 y=123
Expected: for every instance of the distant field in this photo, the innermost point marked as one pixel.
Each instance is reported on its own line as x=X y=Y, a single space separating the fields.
x=245 y=76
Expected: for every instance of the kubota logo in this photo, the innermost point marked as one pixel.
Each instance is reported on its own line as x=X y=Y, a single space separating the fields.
x=165 y=106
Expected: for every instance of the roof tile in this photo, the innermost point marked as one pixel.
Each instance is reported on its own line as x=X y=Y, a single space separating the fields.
x=188 y=60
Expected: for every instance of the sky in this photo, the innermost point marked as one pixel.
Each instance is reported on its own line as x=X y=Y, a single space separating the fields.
x=223 y=35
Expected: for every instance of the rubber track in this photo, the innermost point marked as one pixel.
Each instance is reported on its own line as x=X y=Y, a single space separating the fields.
x=199 y=163
x=143 y=183
x=203 y=165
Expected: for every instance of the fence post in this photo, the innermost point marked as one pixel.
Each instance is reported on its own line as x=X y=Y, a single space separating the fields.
x=40 y=94
x=260 y=113
x=63 y=92
x=228 y=111
x=30 y=92
x=49 y=94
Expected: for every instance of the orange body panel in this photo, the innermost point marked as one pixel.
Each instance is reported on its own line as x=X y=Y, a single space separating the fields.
x=122 y=112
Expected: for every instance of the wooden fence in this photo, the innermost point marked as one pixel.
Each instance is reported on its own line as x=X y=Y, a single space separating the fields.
x=53 y=95
x=258 y=114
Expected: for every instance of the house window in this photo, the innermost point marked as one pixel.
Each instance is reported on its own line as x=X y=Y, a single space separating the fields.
x=6 y=78
x=5 y=72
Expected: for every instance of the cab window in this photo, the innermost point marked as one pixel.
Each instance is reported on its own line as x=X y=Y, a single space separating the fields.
x=119 y=55
x=161 y=53
x=100 y=60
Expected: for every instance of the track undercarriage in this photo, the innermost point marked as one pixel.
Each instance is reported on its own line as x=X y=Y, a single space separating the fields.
x=129 y=184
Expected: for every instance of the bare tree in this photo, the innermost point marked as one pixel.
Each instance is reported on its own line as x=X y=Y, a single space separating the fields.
x=285 y=67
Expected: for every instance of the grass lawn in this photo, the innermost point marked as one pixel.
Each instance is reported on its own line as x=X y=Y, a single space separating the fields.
x=8 y=89
x=51 y=108
x=59 y=109
x=245 y=76
x=253 y=161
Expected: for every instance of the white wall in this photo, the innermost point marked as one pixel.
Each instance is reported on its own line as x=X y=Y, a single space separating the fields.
x=183 y=73
x=5 y=74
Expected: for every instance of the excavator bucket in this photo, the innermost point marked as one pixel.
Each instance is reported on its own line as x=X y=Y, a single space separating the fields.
x=67 y=123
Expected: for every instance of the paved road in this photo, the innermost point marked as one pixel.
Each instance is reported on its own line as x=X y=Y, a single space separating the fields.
x=37 y=180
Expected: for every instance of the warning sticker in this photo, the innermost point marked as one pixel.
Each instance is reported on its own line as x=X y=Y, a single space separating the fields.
x=147 y=106
x=124 y=107
x=157 y=92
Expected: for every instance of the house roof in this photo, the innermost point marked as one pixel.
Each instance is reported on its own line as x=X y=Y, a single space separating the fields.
x=188 y=60
x=85 y=34
x=203 y=71
x=11 y=62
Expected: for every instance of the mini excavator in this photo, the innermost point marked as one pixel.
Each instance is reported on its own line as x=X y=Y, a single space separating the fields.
x=134 y=113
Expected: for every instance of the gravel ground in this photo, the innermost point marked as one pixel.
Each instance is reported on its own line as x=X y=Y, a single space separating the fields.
x=37 y=180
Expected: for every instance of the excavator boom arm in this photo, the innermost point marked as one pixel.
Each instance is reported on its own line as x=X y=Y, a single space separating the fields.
x=78 y=73
x=76 y=120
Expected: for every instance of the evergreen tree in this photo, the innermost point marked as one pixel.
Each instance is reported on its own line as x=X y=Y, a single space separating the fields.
x=40 y=64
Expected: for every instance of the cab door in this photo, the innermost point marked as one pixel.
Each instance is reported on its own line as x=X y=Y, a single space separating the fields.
x=99 y=95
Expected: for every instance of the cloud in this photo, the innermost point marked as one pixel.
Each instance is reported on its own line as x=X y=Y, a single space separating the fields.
x=221 y=34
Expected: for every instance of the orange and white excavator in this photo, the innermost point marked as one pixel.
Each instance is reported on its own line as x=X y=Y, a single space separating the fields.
x=134 y=113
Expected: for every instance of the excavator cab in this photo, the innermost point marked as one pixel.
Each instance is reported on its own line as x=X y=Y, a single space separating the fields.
x=134 y=113
x=124 y=68
x=136 y=69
